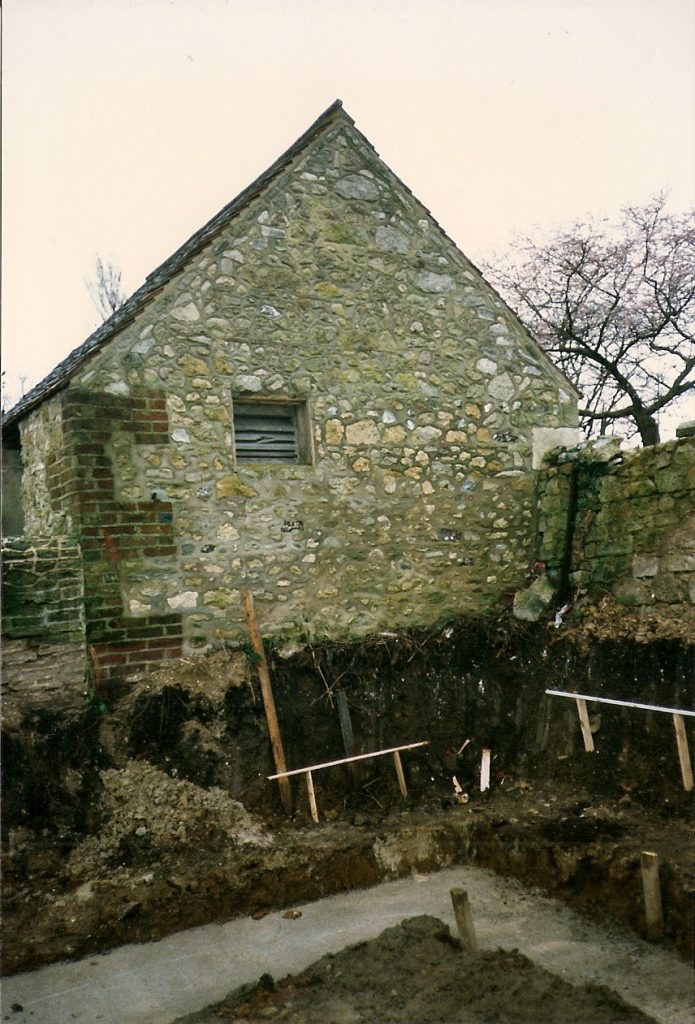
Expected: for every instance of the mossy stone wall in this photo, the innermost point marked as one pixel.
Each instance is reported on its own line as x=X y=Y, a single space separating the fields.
x=631 y=524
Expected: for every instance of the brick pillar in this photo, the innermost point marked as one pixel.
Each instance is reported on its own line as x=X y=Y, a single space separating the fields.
x=113 y=532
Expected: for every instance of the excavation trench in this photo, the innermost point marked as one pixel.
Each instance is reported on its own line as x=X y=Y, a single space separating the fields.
x=149 y=811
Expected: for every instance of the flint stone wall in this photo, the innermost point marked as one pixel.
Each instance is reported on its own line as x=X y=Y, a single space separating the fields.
x=336 y=287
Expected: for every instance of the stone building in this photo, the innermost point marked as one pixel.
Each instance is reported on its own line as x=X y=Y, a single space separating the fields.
x=317 y=397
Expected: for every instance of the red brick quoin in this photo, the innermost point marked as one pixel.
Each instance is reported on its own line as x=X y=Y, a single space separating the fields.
x=115 y=534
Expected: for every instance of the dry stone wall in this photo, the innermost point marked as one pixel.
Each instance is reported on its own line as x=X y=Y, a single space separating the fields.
x=333 y=289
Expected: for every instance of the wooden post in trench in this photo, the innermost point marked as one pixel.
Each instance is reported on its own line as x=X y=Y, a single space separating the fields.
x=651 y=887
x=268 y=700
x=585 y=725
x=464 y=920
x=683 y=752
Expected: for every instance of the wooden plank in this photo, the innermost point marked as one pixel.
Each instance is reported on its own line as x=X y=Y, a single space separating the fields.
x=652 y=894
x=268 y=701
x=464 y=920
x=312 y=798
x=347 y=760
x=683 y=752
x=485 y=770
x=399 y=773
x=584 y=722
x=621 y=703
x=345 y=723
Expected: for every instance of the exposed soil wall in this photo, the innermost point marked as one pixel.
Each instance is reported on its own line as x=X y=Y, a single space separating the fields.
x=484 y=681
x=476 y=681
x=128 y=819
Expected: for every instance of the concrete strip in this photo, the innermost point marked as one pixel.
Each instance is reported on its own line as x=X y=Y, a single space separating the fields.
x=156 y=982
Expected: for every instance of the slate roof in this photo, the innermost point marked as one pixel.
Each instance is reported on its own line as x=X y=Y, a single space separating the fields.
x=155 y=281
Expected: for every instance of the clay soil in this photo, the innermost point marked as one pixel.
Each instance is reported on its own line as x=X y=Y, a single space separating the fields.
x=417 y=972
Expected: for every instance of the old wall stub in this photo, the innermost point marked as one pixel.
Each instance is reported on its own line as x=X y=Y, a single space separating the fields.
x=632 y=529
x=43 y=647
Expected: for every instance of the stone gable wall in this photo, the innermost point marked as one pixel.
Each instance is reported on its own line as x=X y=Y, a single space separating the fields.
x=333 y=287
x=631 y=528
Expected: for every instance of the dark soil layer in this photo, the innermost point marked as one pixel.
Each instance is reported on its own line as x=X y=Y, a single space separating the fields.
x=416 y=972
x=150 y=812
x=485 y=681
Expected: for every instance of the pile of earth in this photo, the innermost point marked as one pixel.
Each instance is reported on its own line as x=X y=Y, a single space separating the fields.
x=417 y=972
x=144 y=809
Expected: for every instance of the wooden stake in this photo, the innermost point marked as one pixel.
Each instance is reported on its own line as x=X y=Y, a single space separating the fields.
x=312 y=798
x=683 y=752
x=485 y=770
x=652 y=894
x=346 y=729
x=584 y=722
x=399 y=773
x=268 y=700
x=464 y=920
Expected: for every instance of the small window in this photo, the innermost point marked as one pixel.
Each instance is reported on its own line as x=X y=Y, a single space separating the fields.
x=271 y=432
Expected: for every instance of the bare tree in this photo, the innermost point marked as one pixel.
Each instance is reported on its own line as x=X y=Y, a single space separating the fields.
x=105 y=288
x=9 y=399
x=615 y=309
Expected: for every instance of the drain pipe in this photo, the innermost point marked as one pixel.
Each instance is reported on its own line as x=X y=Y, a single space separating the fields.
x=563 y=583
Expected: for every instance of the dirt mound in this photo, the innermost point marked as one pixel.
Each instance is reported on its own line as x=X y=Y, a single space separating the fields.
x=144 y=809
x=416 y=972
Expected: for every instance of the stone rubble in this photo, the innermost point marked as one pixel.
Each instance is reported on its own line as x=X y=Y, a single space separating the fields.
x=142 y=803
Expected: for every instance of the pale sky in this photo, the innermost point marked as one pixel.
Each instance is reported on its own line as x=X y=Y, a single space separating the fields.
x=129 y=123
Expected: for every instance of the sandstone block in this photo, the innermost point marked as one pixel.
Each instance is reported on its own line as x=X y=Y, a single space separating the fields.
x=362 y=432
x=334 y=432
x=231 y=487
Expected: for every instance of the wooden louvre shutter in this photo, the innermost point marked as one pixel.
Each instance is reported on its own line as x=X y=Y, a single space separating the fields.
x=266 y=433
